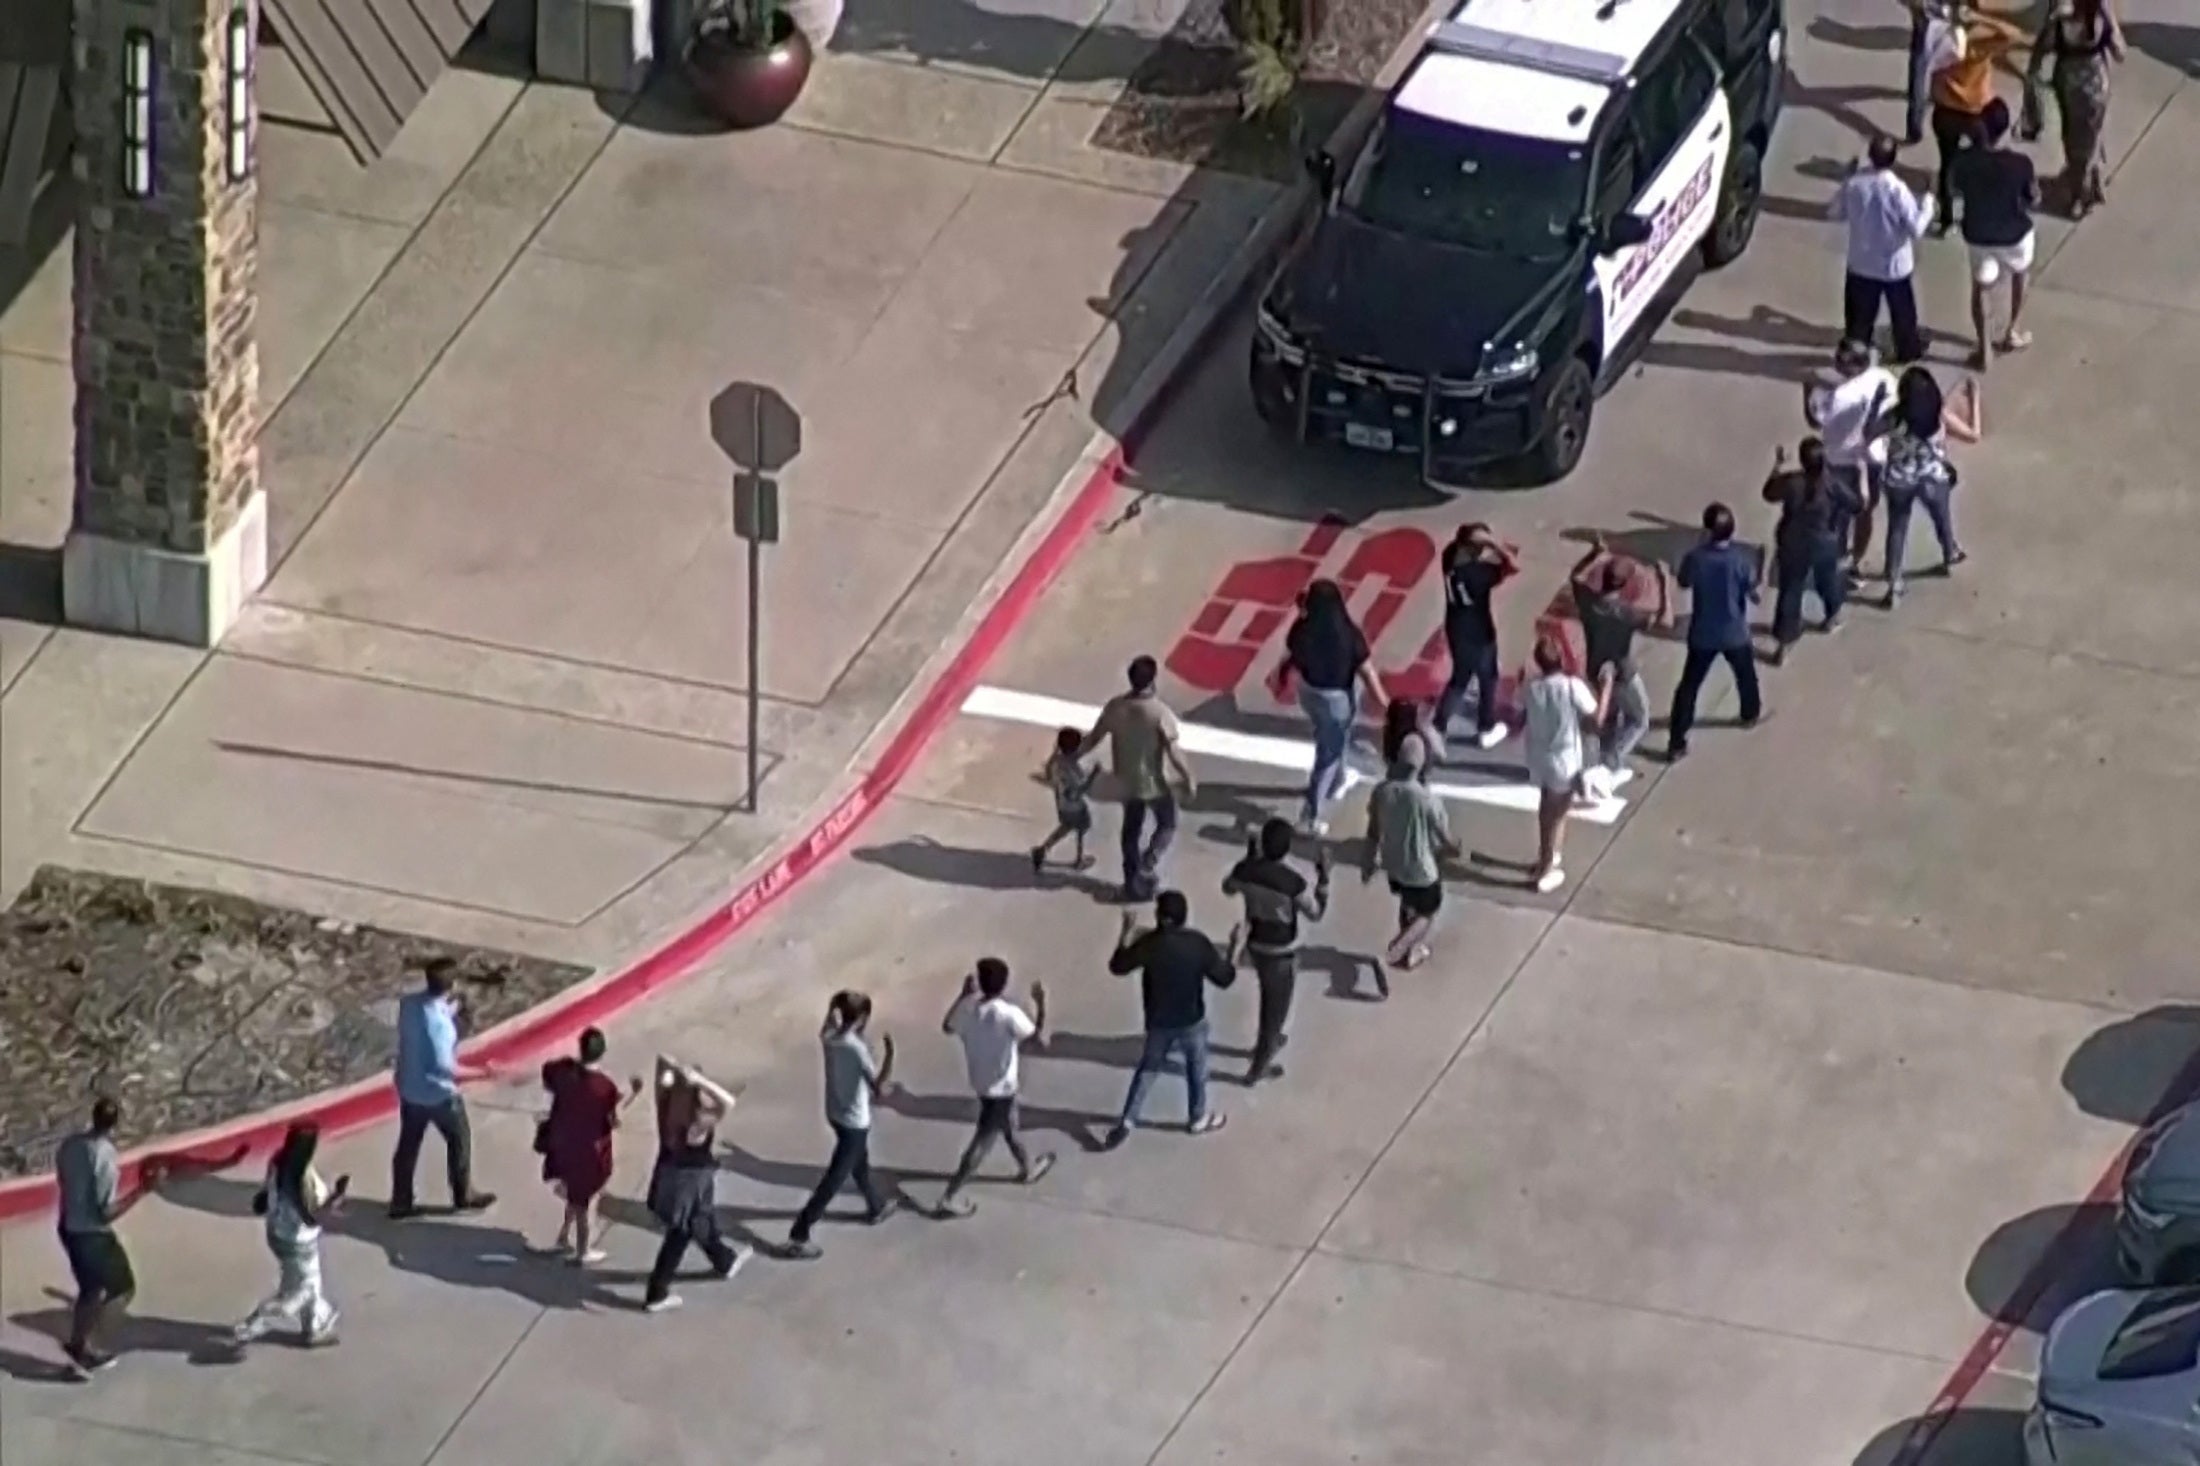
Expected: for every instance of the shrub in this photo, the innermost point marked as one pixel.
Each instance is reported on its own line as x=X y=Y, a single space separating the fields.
x=1272 y=37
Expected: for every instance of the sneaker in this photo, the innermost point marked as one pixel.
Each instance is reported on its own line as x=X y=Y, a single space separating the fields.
x=403 y=1212
x=1415 y=956
x=1616 y=780
x=662 y=1305
x=1491 y=736
x=893 y=1204
x=478 y=1201
x=1207 y=1124
x=1263 y=1074
x=1831 y=624
x=586 y=1259
x=323 y=1336
x=1676 y=750
x=1595 y=788
x=802 y=1251
x=1953 y=561
x=1115 y=1137
x=1040 y=1165
x=88 y=1362
x=736 y=1261
x=1550 y=880
x=955 y=1208
x=1038 y=859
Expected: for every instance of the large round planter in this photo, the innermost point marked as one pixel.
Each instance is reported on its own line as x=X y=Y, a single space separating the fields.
x=747 y=86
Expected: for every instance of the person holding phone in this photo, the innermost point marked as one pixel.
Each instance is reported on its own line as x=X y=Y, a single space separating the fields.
x=295 y=1202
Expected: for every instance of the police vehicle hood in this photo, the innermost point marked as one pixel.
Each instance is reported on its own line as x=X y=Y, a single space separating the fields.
x=1414 y=304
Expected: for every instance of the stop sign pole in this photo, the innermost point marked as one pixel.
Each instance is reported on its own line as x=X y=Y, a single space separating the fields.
x=761 y=432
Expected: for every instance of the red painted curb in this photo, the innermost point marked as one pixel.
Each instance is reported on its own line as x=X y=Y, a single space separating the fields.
x=368 y=1100
x=2062 y=1252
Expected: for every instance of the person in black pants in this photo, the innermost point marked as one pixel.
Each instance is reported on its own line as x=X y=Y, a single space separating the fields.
x=683 y=1185
x=1475 y=564
x=1815 y=507
x=1276 y=897
x=1721 y=578
x=852 y=1080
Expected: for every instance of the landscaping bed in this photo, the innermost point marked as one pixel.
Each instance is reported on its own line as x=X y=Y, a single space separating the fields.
x=192 y=1008
x=1182 y=103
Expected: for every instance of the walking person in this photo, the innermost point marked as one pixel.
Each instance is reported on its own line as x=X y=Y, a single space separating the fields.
x=1475 y=564
x=1409 y=838
x=1918 y=468
x=1815 y=502
x=574 y=1139
x=1070 y=780
x=852 y=1080
x=2079 y=47
x=1846 y=413
x=1326 y=656
x=1919 y=94
x=1276 y=899
x=1721 y=578
x=1175 y=962
x=993 y=1031
x=683 y=1184
x=296 y=1201
x=2000 y=192
x=1141 y=734
x=1609 y=621
x=1558 y=703
x=1885 y=221
x=88 y=1176
x=428 y=1076
x=1962 y=50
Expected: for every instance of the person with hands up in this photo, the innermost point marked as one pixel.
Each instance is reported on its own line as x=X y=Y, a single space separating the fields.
x=993 y=1030
x=574 y=1139
x=683 y=1184
x=1175 y=962
x=852 y=1080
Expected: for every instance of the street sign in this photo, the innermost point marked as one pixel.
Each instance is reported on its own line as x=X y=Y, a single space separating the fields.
x=756 y=427
x=756 y=508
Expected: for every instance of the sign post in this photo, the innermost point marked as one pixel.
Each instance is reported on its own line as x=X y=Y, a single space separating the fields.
x=761 y=432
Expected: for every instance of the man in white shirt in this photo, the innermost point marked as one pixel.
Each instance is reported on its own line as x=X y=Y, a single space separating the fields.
x=1845 y=412
x=1885 y=221
x=993 y=1031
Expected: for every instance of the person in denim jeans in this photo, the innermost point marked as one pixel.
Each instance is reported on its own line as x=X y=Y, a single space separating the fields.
x=1327 y=656
x=1174 y=964
x=1918 y=470
x=852 y=1080
x=1602 y=584
x=1141 y=733
x=1920 y=97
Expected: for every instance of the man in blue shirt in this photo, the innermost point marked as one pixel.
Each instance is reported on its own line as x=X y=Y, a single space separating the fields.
x=1721 y=579
x=428 y=1076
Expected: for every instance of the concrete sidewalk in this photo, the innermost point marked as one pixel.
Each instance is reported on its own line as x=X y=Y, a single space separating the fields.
x=492 y=692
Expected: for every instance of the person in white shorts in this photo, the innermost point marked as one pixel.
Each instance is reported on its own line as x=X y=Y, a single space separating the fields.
x=1558 y=704
x=2000 y=191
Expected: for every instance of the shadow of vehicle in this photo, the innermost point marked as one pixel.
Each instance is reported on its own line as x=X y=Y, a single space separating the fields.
x=2138 y=1068
x=2032 y=1268
x=1979 y=1435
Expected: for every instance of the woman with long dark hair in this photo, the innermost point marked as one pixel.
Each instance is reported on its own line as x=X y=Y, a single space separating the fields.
x=1918 y=470
x=1327 y=656
x=295 y=1201
x=575 y=1139
x=2077 y=46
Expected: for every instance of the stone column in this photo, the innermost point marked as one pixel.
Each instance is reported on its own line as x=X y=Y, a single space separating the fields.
x=169 y=536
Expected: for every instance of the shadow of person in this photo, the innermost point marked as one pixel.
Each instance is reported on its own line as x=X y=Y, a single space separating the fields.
x=2175 y=46
x=2137 y=1068
x=736 y=1222
x=2032 y=1268
x=1080 y=1127
x=799 y=1177
x=1121 y=1050
x=924 y=859
x=1344 y=971
x=195 y=1341
x=1964 y=1436
x=1860 y=37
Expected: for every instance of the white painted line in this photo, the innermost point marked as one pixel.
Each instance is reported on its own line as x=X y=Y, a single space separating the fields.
x=1289 y=754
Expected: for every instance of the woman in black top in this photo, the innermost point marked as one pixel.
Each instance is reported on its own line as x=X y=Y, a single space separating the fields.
x=1326 y=655
x=1814 y=506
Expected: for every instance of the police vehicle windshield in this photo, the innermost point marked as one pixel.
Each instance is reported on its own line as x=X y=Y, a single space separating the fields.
x=1485 y=191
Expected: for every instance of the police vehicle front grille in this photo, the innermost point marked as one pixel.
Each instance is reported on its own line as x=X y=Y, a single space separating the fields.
x=1366 y=374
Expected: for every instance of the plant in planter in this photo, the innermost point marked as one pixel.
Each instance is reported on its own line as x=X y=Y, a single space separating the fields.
x=747 y=60
x=1272 y=37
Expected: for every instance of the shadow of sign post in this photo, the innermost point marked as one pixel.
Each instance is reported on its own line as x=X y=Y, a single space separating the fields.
x=759 y=430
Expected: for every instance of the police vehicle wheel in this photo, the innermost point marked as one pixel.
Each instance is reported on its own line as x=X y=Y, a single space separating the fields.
x=1739 y=201
x=1565 y=422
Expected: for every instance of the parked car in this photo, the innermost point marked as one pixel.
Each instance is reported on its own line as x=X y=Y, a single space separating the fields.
x=2158 y=1217
x=2120 y=1382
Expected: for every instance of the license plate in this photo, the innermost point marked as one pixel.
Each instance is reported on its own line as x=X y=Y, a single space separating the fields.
x=1359 y=435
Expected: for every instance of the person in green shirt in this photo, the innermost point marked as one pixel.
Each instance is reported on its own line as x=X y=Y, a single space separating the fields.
x=1409 y=837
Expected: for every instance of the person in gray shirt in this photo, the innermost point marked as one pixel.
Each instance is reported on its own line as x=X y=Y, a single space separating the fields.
x=852 y=1080
x=1409 y=837
x=88 y=1169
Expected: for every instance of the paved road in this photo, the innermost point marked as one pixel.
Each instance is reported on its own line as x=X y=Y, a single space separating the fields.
x=1728 y=1152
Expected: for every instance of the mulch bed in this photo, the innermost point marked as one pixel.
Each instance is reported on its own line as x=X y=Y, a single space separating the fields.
x=1182 y=101
x=192 y=1008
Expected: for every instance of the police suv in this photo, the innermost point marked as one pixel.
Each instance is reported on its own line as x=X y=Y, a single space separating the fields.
x=1536 y=182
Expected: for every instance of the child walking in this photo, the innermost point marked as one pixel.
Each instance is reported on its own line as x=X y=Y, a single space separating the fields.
x=1071 y=782
x=993 y=1029
x=295 y=1200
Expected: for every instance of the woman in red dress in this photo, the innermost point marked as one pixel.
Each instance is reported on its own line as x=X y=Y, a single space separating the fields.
x=575 y=1139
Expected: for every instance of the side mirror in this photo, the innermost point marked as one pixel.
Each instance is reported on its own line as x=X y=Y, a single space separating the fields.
x=1322 y=168
x=1625 y=232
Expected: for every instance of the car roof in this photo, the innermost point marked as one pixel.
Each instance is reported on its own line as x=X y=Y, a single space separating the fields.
x=1532 y=68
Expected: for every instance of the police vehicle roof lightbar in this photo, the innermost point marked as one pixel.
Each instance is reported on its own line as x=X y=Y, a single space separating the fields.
x=1458 y=38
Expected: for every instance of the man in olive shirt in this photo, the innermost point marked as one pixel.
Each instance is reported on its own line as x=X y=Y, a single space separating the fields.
x=1409 y=835
x=1142 y=737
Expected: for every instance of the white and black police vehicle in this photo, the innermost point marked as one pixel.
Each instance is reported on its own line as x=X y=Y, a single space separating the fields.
x=1521 y=215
